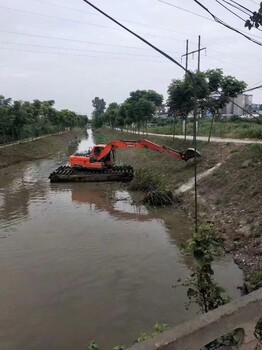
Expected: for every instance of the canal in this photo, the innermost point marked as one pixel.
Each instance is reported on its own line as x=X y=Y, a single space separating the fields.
x=82 y=262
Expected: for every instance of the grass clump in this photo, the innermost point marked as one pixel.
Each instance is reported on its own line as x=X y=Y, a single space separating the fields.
x=158 y=191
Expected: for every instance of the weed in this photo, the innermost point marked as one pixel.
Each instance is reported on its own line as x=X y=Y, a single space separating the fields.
x=157 y=329
x=256 y=148
x=158 y=191
x=255 y=282
x=256 y=231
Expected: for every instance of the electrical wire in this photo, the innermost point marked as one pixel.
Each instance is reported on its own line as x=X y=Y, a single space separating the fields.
x=207 y=18
x=120 y=19
x=235 y=14
x=78 y=55
x=218 y=20
x=185 y=10
x=236 y=5
x=77 y=49
x=254 y=88
x=77 y=40
x=81 y=22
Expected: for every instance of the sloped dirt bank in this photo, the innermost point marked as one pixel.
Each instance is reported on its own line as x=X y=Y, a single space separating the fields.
x=37 y=149
x=230 y=196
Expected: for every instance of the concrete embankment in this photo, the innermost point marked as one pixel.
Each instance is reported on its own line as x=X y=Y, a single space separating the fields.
x=37 y=148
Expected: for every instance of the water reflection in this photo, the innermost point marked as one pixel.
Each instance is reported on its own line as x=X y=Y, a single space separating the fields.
x=87 y=263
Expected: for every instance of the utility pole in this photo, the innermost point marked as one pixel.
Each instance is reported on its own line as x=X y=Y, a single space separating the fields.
x=186 y=54
x=192 y=52
x=198 y=51
x=198 y=58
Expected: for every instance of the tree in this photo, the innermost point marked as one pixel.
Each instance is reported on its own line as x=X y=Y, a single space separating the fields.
x=213 y=90
x=143 y=110
x=149 y=95
x=111 y=114
x=99 y=106
x=255 y=20
x=181 y=95
x=222 y=89
x=22 y=119
x=138 y=103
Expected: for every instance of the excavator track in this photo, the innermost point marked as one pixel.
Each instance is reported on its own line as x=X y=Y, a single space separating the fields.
x=117 y=173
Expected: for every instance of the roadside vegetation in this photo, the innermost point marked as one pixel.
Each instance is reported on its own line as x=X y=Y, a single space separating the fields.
x=142 y=111
x=232 y=127
x=23 y=119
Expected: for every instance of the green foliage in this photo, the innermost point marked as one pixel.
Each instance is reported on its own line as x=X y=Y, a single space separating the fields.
x=99 y=106
x=222 y=128
x=158 y=192
x=137 y=110
x=202 y=289
x=157 y=329
x=255 y=20
x=255 y=281
x=256 y=149
x=93 y=346
x=213 y=90
x=22 y=119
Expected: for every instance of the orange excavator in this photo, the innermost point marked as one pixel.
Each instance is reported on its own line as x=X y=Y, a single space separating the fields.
x=97 y=164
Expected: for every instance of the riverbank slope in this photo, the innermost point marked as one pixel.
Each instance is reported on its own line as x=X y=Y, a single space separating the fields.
x=37 y=149
x=230 y=197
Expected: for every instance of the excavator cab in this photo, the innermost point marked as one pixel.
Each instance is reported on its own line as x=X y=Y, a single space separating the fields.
x=88 y=160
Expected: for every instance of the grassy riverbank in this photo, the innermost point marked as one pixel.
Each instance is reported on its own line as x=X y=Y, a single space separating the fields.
x=37 y=149
x=236 y=129
x=230 y=197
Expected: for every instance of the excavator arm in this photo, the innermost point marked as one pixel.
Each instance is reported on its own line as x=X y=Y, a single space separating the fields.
x=120 y=144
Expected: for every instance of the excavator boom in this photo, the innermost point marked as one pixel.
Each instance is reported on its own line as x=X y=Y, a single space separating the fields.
x=97 y=164
x=120 y=144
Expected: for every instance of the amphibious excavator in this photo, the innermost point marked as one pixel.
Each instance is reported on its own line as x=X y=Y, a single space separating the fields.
x=97 y=164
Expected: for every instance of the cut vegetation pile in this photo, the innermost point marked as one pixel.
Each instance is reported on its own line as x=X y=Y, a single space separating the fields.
x=158 y=191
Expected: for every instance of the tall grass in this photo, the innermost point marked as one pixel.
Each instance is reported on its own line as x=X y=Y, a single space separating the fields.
x=239 y=128
x=158 y=191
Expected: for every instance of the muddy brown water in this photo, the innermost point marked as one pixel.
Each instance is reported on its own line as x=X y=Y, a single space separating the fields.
x=80 y=262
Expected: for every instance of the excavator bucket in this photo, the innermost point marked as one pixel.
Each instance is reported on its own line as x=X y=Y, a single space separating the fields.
x=191 y=153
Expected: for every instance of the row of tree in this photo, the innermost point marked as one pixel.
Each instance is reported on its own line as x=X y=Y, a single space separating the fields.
x=22 y=119
x=212 y=88
x=137 y=109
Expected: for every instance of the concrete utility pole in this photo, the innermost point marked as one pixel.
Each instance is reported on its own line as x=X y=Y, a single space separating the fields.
x=192 y=52
x=198 y=62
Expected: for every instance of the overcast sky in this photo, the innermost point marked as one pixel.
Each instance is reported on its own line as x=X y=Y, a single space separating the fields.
x=63 y=50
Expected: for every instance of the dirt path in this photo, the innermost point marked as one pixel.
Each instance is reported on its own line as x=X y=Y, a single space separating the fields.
x=205 y=138
x=30 y=139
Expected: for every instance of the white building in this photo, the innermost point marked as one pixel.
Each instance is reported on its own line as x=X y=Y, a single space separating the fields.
x=243 y=101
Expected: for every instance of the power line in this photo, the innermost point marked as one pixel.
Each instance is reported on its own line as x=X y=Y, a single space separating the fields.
x=76 y=49
x=185 y=10
x=78 y=55
x=77 y=40
x=100 y=43
x=218 y=20
x=239 y=7
x=123 y=20
x=207 y=18
x=81 y=22
x=254 y=88
x=235 y=14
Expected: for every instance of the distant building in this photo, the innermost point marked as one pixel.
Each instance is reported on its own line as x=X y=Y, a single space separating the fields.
x=242 y=101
